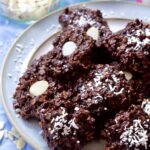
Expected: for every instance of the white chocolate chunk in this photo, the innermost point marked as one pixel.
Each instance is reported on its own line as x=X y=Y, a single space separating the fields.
x=93 y=32
x=38 y=87
x=128 y=75
x=68 y=48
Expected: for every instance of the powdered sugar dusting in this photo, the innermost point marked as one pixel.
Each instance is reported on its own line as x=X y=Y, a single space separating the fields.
x=73 y=124
x=119 y=92
x=135 y=135
x=102 y=82
x=61 y=123
x=147 y=32
x=146 y=106
x=97 y=98
x=83 y=20
x=135 y=38
x=139 y=32
x=76 y=108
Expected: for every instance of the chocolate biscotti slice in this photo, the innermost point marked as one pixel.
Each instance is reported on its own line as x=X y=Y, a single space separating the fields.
x=131 y=47
x=130 y=129
x=66 y=128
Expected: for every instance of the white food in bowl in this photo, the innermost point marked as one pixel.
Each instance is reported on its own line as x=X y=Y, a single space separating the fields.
x=28 y=9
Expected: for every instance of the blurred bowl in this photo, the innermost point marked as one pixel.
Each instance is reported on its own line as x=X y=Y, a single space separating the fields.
x=27 y=10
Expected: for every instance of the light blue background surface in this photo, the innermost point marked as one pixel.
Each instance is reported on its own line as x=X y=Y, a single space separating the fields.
x=9 y=31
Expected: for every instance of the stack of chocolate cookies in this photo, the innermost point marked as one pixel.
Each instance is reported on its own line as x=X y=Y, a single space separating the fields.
x=93 y=84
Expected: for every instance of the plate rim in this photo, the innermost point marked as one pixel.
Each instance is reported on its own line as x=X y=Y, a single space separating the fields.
x=7 y=111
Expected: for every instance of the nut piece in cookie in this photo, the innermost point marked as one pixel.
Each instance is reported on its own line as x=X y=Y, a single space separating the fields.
x=73 y=51
x=35 y=87
x=93 y=24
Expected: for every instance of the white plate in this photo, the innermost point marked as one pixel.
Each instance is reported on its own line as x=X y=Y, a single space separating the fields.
x=36 y=41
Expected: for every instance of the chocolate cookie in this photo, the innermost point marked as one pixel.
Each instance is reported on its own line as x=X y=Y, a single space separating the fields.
x=129 y=129
x=94 y=26
x=131 y=47
x=90 y=20
x=67 y=129
x=107 y=89
x=35 y=87
x=72 y=52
